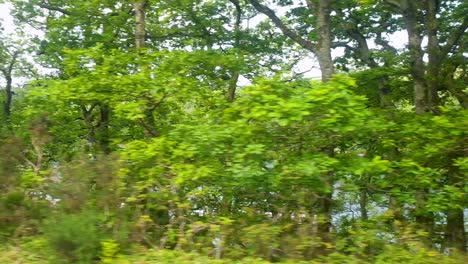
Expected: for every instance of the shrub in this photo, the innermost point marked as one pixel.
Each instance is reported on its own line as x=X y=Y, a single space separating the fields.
x=75 y=238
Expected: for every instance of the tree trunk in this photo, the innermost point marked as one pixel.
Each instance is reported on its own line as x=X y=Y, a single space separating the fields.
x=140 y=32
x=455 y=229
x=325 y=210
x=410 y=12
x=395 y=208
x=433 y=55
x=456 y=235
x=413 y=28
x=231 y=94
x=88 y=118
x=323 y=51
x=9 y=97
x=385 y=93
x=104 y=133
x=363 y=204
x=7 y=73
x=424 y=218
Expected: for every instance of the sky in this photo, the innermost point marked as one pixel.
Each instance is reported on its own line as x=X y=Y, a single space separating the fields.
x=6 y=19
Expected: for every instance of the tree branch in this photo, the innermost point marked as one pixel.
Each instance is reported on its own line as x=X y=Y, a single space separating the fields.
x=362 y=47
x=9 y=69
x=384 y=43
x=306 y=44
x=54 y=8
x=454 y=39
x=310 y=5
x=393 y=3
x=13 y=61
x=338 y=44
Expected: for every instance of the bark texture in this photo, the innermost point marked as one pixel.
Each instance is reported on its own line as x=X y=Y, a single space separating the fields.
x=140 y=17
x=323 y=51
x=410 y=12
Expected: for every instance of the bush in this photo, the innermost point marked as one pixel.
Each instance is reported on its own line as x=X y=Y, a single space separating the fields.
x=75 y=238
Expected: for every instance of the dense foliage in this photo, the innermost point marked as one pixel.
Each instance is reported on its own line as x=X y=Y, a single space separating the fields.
x=184 y=132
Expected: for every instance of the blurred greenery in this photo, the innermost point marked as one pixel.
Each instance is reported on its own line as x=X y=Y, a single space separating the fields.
x=200 y=141
x=32 y=253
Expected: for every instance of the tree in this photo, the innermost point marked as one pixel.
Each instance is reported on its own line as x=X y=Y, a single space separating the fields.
x=13 y=63
x=427 y=82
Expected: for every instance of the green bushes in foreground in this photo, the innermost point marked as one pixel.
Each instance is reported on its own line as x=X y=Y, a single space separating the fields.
x=38 y=251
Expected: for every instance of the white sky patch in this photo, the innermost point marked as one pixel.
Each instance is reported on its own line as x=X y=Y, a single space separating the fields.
x=398 y=39
x=106 y=11
x=6 y=19
x=8 y=24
